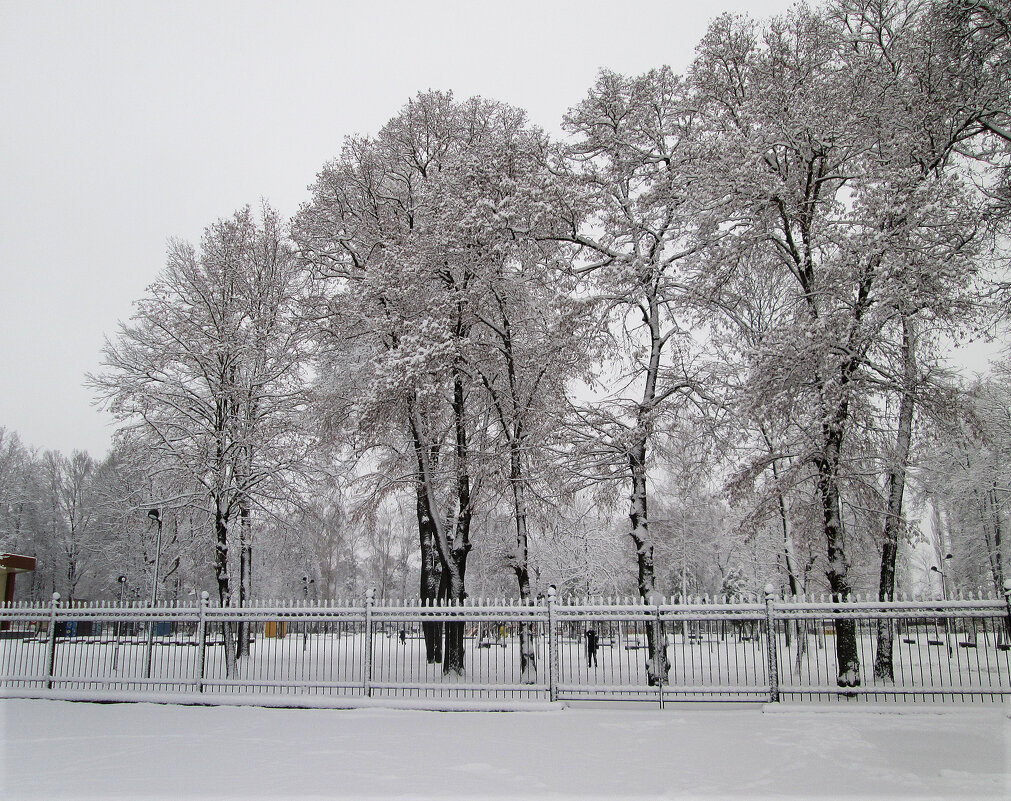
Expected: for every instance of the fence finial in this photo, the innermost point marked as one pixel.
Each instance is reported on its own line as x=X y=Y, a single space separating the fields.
x=56 y=597
x=770 y=591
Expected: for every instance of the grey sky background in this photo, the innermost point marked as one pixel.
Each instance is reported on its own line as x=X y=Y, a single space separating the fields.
x=125 y=123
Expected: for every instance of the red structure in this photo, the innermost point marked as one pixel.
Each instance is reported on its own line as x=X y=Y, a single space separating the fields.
x=10 y=565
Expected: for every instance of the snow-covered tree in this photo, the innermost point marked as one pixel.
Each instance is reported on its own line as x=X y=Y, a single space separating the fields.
x=208 y=376
x=632 y=152
x=966 y=475
x=837 y=172
x=416 y=236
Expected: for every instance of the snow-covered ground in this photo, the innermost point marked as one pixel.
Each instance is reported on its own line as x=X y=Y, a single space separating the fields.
x=63 y=750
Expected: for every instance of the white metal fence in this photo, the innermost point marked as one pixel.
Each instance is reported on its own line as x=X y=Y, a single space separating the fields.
x=314 y=653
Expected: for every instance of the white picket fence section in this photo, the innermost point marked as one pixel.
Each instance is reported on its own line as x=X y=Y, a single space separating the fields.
x=325 y=654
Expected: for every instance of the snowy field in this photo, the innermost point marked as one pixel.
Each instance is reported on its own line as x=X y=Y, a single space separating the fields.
x=63 y=750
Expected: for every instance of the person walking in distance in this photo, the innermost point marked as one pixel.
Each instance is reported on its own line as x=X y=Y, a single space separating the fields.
x=591 y=648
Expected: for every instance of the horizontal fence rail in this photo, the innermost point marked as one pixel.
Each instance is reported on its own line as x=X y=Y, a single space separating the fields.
x=740 y=649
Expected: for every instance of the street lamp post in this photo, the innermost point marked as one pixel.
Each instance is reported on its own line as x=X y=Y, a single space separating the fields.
x=940 y=572
x=944 y=597
x=119 y=623
x=306 y=581
x=153 y=514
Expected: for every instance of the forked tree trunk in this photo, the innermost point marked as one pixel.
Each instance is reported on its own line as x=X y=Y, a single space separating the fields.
x=451 y=593
x=452 y=555
x=883 y=668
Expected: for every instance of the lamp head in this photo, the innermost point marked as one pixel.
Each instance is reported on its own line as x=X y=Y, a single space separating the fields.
x=154 y=514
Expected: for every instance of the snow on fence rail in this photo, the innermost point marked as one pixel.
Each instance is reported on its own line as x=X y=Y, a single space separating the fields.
x=317 y=653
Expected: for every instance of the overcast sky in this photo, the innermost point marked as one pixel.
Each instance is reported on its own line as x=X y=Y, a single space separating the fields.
x=126 y=123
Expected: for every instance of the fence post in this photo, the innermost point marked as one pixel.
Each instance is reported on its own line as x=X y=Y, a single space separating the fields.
x=51 y=646
x=661 y=638
x=149 y=651
x=552 y=647
x=370 y=599
x=770 y=639
x=202 y=640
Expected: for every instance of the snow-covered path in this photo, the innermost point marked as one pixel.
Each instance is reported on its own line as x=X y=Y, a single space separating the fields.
x=63 y=750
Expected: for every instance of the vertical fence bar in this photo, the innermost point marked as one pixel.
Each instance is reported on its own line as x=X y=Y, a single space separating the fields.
x=552 y=647
x=771 y=644
x=370 y=599
x=202 y=641
x=51 y=642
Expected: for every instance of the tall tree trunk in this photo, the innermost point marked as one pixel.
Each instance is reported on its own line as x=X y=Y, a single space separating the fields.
x=793 y=575
x=658 y=665
x=431 y=568
x=430 y=572
x=991 y=520
x=797 y=581
x=510 y=418
x=454 y=563
x=245 y=572
x=998 y=557
x=452 y=554
x=72 y=578
x=224 y=582
x=896 y=487
x=847 y=652
x=452 y=592
x=528 y=656
x=994 y=552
